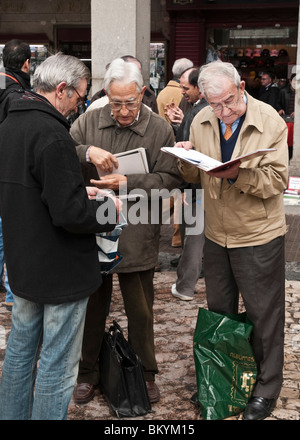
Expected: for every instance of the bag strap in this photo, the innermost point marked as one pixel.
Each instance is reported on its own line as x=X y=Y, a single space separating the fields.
x=9 y=76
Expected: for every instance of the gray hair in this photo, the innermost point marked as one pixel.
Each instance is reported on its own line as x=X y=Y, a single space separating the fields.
x=210 y=77
x=180 y=66
x=120 y=70
x=59 y=68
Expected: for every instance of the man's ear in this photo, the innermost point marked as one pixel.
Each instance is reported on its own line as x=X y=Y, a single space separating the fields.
x=60 y=89
x=242 y=85
x=26 y=66
x=143 y=91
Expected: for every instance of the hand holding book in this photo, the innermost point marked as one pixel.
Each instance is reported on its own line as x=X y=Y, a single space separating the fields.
x=184 y=151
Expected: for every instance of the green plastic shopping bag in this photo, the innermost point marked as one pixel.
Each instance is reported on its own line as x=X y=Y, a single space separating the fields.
x=225 y=366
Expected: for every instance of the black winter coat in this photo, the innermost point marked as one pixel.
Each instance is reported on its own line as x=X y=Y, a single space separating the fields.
x=13 y=83
x=49 y=224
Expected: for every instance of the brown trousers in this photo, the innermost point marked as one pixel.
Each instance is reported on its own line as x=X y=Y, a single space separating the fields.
x=138 y=296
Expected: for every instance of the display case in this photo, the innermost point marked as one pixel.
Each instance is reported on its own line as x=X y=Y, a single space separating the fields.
x=255 y=50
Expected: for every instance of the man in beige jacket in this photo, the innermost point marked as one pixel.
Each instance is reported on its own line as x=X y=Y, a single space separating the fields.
x=172 y=93
x=245 y=219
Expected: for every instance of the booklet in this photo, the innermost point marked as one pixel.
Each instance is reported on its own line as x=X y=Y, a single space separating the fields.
x=207 y=163
x=130 y=162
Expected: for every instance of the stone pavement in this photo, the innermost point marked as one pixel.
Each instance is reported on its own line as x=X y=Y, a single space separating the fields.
x=174 y=325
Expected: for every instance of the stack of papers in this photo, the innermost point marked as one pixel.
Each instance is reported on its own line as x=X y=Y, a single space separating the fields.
x=292 y=193
x=207 y=163
x=130 y=162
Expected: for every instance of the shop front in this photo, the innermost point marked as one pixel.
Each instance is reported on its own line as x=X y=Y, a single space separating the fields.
x=255 y=36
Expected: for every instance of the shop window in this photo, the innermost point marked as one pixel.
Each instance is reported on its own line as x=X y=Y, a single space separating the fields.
x=39 y=52
x=255 y=50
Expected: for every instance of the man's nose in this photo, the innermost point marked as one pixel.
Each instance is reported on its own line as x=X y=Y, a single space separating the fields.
x=124 y=110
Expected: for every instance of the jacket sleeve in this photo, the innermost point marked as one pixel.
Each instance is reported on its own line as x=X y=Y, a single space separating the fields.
x=78 y=133
x=270 y=176
x=190 y=173
x=64 y=193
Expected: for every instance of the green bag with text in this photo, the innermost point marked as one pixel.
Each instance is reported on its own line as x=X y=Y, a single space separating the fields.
x=225 y=366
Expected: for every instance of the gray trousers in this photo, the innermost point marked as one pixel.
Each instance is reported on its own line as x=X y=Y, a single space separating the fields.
x=190 y=264
x=258 y=273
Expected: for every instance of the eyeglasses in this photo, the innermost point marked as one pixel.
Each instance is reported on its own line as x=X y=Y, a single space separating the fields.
x=217 y=108
x=130 y=105
x=80 y=99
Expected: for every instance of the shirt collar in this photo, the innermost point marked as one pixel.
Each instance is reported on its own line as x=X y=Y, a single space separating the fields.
x=235 y=123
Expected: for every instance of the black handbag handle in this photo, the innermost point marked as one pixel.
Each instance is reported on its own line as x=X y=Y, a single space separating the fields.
x=114 y=330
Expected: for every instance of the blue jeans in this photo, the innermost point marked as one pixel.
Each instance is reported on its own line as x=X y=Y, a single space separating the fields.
x=53 y=332
x=9 y=296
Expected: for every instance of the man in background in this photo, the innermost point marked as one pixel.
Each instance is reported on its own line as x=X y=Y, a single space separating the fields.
x=172 y=92
x=14 y=80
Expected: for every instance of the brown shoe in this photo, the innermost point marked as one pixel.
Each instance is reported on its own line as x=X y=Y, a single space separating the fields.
x=153 y=392
x=83 y=392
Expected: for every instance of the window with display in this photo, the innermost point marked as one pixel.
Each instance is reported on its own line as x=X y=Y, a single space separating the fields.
x=255 y=50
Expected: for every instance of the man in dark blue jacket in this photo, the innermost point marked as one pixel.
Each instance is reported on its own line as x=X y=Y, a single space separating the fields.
x=49 y=225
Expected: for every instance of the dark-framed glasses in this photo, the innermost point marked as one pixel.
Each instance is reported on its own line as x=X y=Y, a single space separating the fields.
x=80 y=99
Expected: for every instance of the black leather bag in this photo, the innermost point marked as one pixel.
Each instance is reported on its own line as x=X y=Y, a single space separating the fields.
x=121 y=375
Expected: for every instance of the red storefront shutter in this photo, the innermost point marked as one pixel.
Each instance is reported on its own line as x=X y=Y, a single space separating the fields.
x=187 y=44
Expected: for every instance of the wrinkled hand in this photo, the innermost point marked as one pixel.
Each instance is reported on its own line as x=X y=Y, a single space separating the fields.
x=111 y=181
x=94 y=192
x=187 y=145
x=231 y=172
x=174 y=113
x=103 y=159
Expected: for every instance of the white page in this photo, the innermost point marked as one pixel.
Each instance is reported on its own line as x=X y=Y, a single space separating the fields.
x=207 y=163
x=130 y=162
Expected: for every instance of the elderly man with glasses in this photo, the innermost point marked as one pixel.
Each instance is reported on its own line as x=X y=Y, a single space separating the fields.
x=245 y=220
x=49 y=220
x=122 y=125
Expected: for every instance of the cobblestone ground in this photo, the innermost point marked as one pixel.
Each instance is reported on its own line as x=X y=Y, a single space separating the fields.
x=174 y=325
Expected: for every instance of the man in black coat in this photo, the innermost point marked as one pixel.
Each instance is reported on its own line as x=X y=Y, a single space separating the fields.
x=268 y=92
x=49 y=224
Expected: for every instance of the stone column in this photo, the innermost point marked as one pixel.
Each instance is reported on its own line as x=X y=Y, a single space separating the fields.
x=119 y=28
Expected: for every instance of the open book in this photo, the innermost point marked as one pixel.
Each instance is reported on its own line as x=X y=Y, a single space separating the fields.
x=130 y=162
x=207 y=163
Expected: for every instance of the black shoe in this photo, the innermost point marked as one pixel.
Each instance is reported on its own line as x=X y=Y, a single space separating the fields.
x=259 y=408
x=194 y=399
x=175 y=262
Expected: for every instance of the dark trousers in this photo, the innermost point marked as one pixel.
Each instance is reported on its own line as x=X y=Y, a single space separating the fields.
x=138 y=296
x=258 y=273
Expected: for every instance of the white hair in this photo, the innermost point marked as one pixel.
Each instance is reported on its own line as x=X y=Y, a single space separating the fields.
x=180 y=66
x=211 y=75
x=120 y=70
x=59 y=68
